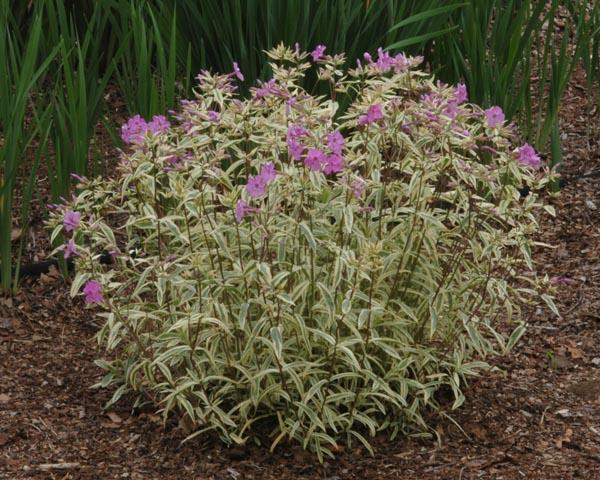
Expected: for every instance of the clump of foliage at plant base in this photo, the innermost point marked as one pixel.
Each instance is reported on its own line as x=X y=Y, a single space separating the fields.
x=323 y=277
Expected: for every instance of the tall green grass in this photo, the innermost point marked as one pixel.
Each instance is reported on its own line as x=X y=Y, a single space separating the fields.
x=589 y=14
x=149 y=75
x=20 y=71
x=218 y=32
x=79 y=87
x=492 y=53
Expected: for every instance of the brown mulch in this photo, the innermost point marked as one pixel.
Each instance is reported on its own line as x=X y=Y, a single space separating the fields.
x=536 y=417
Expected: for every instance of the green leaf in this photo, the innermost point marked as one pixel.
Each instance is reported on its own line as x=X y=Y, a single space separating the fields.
x=277 y=342
x=308 y=235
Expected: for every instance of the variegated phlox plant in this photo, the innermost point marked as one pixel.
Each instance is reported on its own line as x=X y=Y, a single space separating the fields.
x=322 y=275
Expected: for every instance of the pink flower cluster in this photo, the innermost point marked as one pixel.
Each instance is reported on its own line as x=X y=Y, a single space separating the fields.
x=318 y=52
x=257 y=184
x=528 y=156
x=295 y=148
x=460 y=93
x=93 y=292
x=319 y=161
x=134 y=131
x=494 y=116
x=71 y=220
x=316 y=159
x=374 y=113
x=336 y=142
x=385 y=62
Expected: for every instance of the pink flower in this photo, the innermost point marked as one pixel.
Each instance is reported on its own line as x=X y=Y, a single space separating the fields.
x=358 y=187
x=268 y=172
x=385 y=62
x=159 y=124
x=295 y=131
x=71 y=220
x=213 y=116
x=451 y=110
x=242 y=209
x=528 y=156
x=335 y=142
x=315 y=159
x=494 y=116
x=295 y=148
x=237 y=72
x=374 y=113
x=70 y=249
x=133 y=130
x=334 y=163
x=401 y=63
x=267 y=88
x=256 y=187
x=318 y=52
x=432 y=100
x=460 y=93
x=257 y=184
x=93 y=292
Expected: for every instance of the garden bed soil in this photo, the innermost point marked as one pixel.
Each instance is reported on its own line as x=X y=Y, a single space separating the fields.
x=536 y=417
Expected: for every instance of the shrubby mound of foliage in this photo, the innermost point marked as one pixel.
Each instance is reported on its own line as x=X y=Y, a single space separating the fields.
x=321 y=275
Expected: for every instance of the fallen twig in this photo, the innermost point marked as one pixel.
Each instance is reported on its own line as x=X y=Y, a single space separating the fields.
x=53 y=466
